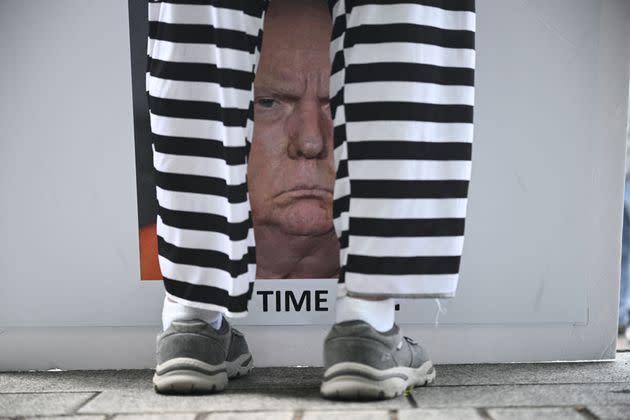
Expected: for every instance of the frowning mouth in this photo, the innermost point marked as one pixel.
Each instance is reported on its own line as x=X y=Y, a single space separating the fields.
x=308 y=191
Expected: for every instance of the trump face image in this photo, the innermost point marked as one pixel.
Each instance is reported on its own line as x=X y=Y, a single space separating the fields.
x=291 y=170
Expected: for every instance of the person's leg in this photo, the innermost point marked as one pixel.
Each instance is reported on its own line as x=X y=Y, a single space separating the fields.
x=402 y=94
x=624 y=286
x=405 y=104
x=201 y=66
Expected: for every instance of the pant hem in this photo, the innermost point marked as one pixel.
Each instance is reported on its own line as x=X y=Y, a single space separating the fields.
x=207 y=306
x=430 y=286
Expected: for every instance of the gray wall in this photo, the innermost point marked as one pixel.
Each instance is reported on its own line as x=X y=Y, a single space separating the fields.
x=541 y=256
x=68 y=216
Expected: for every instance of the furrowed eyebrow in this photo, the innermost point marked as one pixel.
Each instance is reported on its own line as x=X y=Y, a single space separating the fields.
x=283 y=88
x=285 y=94
x=279 y=87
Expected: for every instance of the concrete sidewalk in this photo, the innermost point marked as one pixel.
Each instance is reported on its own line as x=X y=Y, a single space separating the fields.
x=516 y=391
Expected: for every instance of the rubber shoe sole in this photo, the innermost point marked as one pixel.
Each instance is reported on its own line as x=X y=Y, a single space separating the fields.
x=240 y=366
x=356 y=381
x=190 y=376
x=184 y=375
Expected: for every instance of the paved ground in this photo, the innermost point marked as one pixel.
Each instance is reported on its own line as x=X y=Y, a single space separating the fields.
x=513 y=391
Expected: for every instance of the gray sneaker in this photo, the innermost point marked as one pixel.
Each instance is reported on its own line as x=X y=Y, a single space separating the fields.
x=364 y=364
x=193 y=357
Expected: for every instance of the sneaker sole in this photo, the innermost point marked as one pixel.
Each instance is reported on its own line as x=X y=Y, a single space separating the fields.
x=183 y=375
x=240 y=366
x=356 y=381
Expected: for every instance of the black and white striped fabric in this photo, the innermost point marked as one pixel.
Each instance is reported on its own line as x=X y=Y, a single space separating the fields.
x=402 y=94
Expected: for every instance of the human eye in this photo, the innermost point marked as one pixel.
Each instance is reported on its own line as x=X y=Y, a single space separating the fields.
x=265 y=102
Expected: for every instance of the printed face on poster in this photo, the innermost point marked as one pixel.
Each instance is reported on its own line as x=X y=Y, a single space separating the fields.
x=291 y=171
x=291 y=177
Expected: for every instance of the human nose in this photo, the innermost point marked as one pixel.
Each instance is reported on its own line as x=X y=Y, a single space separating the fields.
x=311 y=127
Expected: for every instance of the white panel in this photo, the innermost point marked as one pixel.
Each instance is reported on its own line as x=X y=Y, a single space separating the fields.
x=543 y=232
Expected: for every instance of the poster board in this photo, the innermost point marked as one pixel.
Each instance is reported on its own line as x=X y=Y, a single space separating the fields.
x=540 y=267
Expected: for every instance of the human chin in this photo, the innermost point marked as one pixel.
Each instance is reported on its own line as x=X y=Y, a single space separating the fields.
x=305 y=216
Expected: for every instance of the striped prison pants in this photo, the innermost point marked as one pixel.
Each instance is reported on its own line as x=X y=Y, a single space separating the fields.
x=401 y=96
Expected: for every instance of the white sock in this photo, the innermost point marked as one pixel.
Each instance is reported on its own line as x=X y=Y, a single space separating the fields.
x=173 y=311
x=378 y=313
